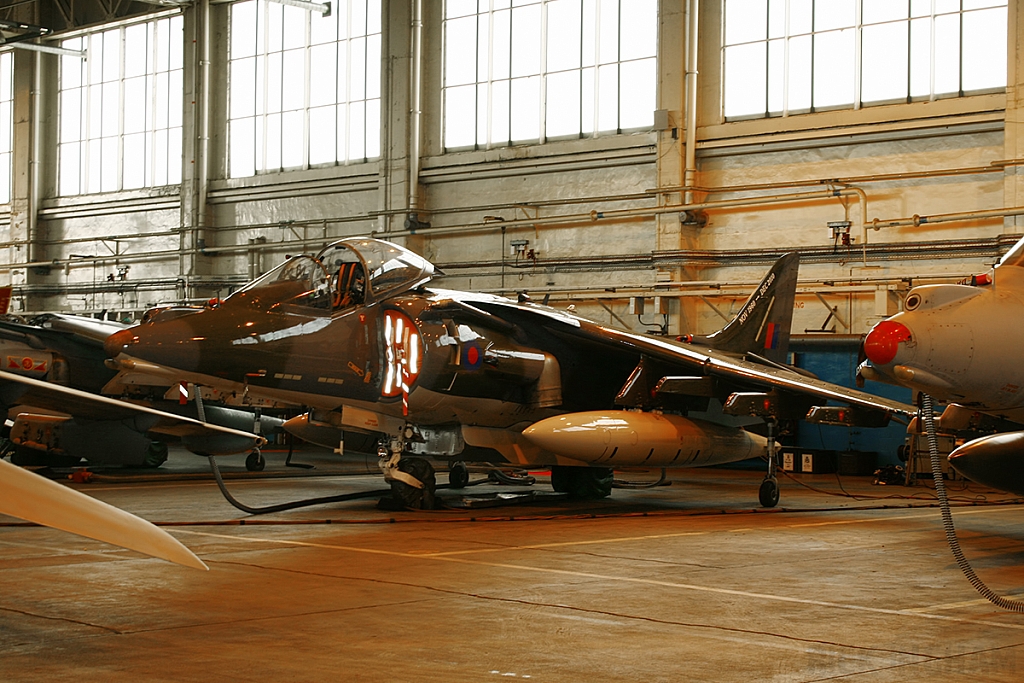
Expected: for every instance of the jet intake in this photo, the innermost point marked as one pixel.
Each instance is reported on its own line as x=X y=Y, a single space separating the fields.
x=622 y=438
x=996 y=461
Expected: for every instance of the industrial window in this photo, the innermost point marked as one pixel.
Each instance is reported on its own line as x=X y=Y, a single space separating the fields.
x=6 y=125
x=304 y=88
x=529 y=70
x=792 y=56
x=120 y=109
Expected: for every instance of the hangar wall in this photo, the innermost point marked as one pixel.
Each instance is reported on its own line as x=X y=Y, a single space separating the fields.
x=602 y=214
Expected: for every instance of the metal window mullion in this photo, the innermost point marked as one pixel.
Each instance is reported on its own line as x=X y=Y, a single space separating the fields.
x=767 y=55
x=858 y=52
x=785 y=60
x=543 y=75
x=337 y=93
x=960 y=40
x=490 y=73
x=597 y=67
x=151 y=128
x=308 y=66
x=931 y=57
x=618 y=72
x=814 y=42
x=579 y=118
x=348 y=81
x=910 y=52
x=366 y=48
x=120 y=107
x=508 y=132
x=263 y=120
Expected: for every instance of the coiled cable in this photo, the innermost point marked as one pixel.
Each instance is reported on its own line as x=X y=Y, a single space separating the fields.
x=947 y=515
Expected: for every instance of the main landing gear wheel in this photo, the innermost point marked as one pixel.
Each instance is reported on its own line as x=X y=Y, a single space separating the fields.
x=458 y=475
x=769 y=492
x=410 y=496
x=254 y=462
x=582 y=483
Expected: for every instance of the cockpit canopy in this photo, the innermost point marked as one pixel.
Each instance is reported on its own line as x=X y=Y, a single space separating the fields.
x=336 y=278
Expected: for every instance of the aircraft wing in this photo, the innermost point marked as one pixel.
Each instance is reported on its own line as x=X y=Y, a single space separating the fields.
x=692 y=358
x=18 y=390
x=30 y=497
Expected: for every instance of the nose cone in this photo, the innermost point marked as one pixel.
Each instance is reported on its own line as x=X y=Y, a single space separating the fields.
x=118 y=342
x=883 y=341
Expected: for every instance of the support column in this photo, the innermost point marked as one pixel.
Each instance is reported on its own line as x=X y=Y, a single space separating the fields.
x=1013 y=136
x=396 y=115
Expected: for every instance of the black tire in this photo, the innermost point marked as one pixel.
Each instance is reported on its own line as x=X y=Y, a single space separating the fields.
x=458 y=475
x=30 y=457
x=582 y=483
x=254 y=462
x=410 y=496
x=768 y=494
x=156 y=456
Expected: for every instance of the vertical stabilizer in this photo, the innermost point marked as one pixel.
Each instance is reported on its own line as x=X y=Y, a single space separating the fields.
x=762 y=326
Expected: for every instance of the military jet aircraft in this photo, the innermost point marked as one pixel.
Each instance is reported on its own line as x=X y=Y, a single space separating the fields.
x=356 y=333
x=30 y=497
x=961 y=343
x=67 y=350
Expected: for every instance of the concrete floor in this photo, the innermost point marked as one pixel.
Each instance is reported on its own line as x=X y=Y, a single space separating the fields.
x=683 y=583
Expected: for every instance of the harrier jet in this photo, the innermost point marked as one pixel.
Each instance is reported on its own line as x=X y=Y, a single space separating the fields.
x=962 y=343
x=358 y=334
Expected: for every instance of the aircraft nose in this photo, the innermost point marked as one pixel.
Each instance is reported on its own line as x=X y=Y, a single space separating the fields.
x=883 y=341
x=118 y=342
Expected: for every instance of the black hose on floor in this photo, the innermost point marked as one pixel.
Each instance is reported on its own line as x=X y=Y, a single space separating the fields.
x=281 y=507
x=947 y=515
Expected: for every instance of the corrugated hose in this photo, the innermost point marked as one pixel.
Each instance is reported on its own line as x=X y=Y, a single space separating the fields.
x=947 y=515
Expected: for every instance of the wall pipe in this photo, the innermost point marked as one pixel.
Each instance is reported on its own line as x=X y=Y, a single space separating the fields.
x=915 y=220
x=690 y=168
x=203 y=170
x=595 y=215
x=994 y=167
x=415 y=58
x=35 y=175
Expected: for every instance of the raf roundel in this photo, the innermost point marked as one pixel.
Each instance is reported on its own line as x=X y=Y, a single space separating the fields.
x=472 y=356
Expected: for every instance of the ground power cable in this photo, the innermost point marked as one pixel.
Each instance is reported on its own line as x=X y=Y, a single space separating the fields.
x=947 y=514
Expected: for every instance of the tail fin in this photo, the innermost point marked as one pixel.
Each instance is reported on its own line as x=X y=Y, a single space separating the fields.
x=762 y=325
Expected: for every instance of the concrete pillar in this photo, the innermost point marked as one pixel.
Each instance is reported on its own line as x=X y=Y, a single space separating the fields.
x=22 y=225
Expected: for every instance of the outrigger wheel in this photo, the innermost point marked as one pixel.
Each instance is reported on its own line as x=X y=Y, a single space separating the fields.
x=254 y=462
x=410 y=496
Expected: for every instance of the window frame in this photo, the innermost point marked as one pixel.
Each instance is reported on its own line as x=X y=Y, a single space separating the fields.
x=858 y=67
x=260 y=115
x=482 y=83
x=163 y=67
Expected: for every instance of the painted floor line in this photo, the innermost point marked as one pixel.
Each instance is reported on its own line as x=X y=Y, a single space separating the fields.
x=621 y=579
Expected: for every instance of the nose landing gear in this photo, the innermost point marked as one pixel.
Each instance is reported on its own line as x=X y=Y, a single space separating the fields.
x=412 y=480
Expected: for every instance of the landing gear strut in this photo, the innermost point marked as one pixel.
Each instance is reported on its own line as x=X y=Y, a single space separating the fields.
x=412 y=479
x=768 y=494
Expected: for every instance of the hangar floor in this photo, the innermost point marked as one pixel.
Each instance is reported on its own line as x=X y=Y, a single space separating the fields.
x=683 y=583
